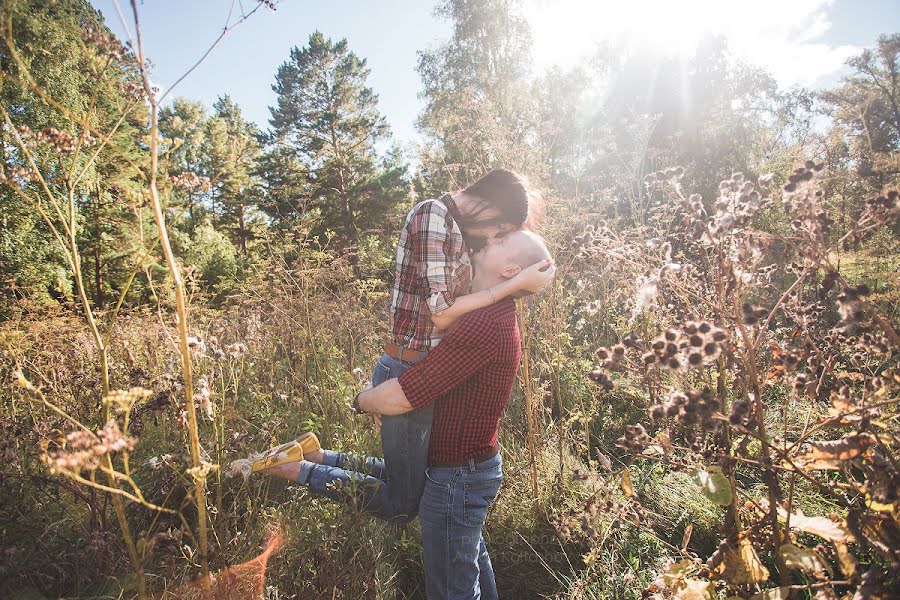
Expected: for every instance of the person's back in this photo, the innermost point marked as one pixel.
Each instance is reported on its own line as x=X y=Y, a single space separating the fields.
x=477 y=362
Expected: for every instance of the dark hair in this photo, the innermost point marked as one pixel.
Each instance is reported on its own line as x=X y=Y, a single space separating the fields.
x=503 y=190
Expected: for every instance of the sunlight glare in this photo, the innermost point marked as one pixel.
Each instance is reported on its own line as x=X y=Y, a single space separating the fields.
x=780 y=36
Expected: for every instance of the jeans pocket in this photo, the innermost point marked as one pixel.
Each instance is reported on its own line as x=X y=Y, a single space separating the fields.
x=478 y=496
x=435 y=502
x=436 y=478
x=380 y=373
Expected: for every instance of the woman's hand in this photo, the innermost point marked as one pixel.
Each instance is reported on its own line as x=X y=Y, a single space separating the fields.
x=534 y=278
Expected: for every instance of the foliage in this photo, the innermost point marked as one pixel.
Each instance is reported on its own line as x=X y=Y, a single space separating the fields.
x=328 y=119
x=737 y=332
x=758 y=463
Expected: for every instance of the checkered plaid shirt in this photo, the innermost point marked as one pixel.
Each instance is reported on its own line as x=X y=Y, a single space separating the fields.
x=469 y=376
x=432 y=268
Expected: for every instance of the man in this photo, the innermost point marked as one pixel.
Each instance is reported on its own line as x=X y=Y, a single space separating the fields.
x=467 y=379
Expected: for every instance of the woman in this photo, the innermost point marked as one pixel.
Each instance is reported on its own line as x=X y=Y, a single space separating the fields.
x=430 y=292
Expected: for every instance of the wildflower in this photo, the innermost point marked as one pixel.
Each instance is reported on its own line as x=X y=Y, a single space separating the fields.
x=601 y=379
x=646 y=296
x=752 y=314
x=196 y=344
x=106 y=43
x=849 y=303
x=203 y=398
x=635 y=438
x=236 y=350
x=83 y=449
x=132 y=90
x=201 y=472
x=191 y=182
x=60 y=141
x=124 y=400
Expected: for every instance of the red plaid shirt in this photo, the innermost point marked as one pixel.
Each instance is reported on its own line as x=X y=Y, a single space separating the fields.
x=431 y=270
x=469 y=376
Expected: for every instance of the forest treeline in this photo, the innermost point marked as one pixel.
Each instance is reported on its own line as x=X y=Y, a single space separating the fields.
x=326 y=166
x=708 y=397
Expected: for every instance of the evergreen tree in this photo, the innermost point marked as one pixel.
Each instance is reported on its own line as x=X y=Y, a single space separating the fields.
x=183 y=129
x=232 y=151
x=329 y=119
x=866 y=109
x=72 y=58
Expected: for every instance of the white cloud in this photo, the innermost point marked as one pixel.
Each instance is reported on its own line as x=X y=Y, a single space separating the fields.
x=783 y=36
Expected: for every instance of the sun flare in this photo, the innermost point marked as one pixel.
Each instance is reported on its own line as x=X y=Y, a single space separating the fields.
x=779 y=36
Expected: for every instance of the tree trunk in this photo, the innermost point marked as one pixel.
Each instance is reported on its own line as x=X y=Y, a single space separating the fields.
x=352 y=236
x=242 y=232
x=98 y=255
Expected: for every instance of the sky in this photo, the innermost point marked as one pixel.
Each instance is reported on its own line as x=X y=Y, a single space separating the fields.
x=801 y=42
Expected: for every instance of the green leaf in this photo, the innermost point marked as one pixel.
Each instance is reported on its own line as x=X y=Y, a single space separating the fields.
x=714 y=485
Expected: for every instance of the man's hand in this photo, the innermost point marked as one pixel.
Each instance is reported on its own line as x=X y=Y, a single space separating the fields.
x=535 y=277
x=376 y=418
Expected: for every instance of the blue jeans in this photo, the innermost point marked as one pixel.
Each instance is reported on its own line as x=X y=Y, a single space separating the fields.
x=452 y=512
x=388 y=488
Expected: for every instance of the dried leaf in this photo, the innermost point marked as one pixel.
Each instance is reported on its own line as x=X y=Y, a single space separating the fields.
x=676 y=572
x=686 y=538
x=714 y=485
x=803 y=559
x=825 y=594
x=627 y=487
x=741 y=565
x=822 y=455
x=822 y=527
x=880 y=506
x=779 y=593
x=849 y=564
x=665 y=441
x=604 y=461
x=695 y=589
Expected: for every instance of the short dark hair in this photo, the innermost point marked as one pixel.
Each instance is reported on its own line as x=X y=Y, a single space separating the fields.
x=503 y=190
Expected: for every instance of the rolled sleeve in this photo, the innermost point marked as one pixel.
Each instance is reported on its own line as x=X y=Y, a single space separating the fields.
x=434 y=244
x=438 y=302
x=469 y=347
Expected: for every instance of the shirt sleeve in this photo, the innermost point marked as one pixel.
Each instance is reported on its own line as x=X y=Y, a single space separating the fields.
x=469 y=346
x=432 y=241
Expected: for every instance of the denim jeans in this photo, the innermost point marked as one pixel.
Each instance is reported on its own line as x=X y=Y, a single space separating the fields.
x=388 y=488
x=452 y=512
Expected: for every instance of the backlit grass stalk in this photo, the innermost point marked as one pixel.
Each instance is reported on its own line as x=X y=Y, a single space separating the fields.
x=180 y=305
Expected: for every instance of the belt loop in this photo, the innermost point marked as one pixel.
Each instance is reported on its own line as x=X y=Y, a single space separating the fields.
x=471 y=464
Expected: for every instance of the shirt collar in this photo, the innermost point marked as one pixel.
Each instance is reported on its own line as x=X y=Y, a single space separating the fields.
x=447 y=200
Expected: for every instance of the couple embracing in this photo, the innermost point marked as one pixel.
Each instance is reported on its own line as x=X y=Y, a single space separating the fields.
x=444 y=379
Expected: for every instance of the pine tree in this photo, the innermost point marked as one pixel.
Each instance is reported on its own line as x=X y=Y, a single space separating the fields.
x=183 y=127
x=69 y=54
x=329 y=119
x=233 y=149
